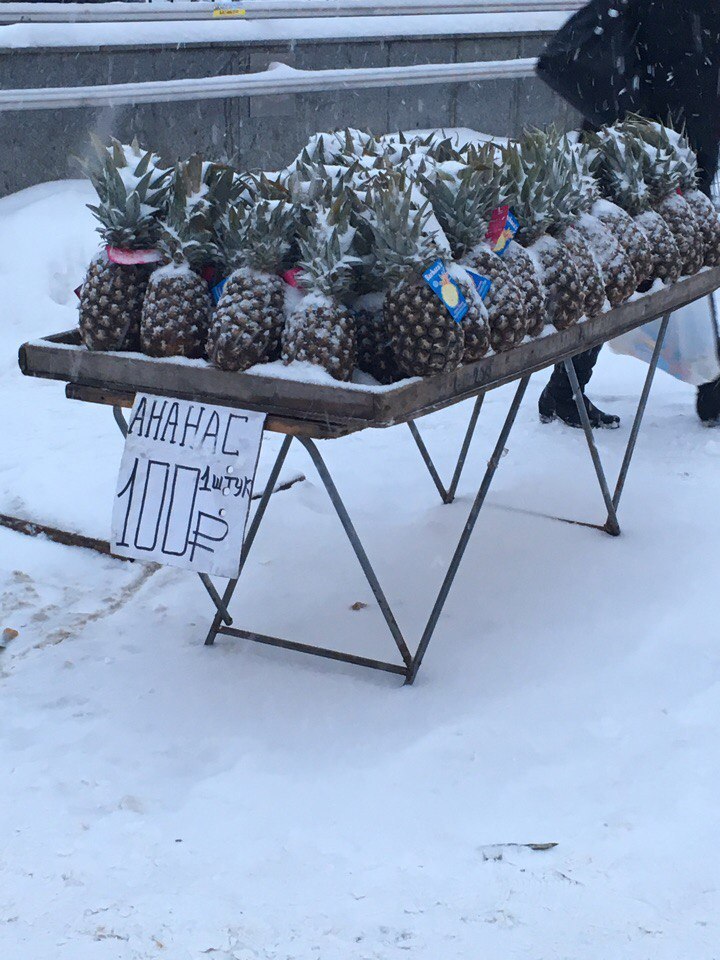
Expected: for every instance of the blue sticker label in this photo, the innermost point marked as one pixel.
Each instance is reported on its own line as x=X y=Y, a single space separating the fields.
x=217 y=291
x=482 y=284
x=447 y=291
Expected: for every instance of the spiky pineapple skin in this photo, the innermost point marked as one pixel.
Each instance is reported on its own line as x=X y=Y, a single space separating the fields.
x=176 y=315
x=709 y=222
x=561 y=279
x=374 y=350
x=592 y=286
x=475 y=324
x=679 y=216
x=630 y=236
x=111 y=304
x=424 y=337
x=323 y=334
x=666 y=265
x=617 y=271
x=248 y=321
x=524 y=272
x=507 y=317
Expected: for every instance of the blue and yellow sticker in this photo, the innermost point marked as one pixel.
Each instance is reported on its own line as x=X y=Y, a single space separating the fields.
x=482 y=284
x=217 y=291
x=447 y=291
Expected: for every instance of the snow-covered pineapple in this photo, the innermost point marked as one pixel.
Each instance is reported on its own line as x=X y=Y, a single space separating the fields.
x=131 y=189
x=425 y=338
x=586 y=237
x=321 y=329
x=463 y=205
x=620 y=162
x=373 y=346
x=664 y=175
x=571 y=204
x=178 y=306
x=249 y=318
x=532 y=183
x=679 y=169
x=701 y=205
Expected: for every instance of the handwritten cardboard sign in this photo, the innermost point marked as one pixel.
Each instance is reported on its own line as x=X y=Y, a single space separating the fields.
x=185 y=483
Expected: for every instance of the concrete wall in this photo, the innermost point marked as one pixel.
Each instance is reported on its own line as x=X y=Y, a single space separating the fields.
x=259 y=131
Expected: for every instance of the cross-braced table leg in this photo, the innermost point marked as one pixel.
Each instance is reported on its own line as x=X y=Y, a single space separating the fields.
x=410 y=665
x=492 y=466
x=447 y=494
x=612 y=501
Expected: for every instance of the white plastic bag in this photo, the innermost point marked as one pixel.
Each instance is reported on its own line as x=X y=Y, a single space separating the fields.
x=690 y=350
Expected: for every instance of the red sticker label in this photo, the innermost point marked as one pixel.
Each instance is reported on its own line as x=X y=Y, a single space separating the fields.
x=503 y=227
x=127 y=258
x=291 y=276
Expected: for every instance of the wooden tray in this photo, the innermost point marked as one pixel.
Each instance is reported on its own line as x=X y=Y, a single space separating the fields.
x=327 y=410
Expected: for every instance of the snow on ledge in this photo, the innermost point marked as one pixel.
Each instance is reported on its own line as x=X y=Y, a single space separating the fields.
x=37 y=35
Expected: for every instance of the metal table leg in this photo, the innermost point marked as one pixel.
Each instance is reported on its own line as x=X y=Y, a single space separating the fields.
x=410 y=665
x=612 y=502
x=492 y=466
x=447 y=494
x=612 y=523
x=222 y=614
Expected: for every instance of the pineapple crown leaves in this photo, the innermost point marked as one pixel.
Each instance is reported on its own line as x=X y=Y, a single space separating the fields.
x=326 y=261
x=484 y=156
x=312 y=183
x=545 y=180
x=339 y=148
x=401 y=224
x=620 y=163
x=259 y=236
x=132 y=191
x=670 y=162
x=198 y=198
x=463 y=204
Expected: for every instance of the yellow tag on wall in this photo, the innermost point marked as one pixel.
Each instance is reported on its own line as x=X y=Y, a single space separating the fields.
x=228 y=12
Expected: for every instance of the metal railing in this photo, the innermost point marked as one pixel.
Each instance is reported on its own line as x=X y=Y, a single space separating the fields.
x=146 y=10
x=279 y=79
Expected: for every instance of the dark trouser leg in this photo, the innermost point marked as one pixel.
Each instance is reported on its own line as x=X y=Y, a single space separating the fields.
x=559 y=386
x=557 y=401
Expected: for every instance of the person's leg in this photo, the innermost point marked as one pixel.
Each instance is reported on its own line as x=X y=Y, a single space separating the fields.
x=708 y=394
x=557 y=401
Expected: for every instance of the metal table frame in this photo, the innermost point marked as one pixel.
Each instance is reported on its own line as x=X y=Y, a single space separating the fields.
x=222 y=624
x=307 y=413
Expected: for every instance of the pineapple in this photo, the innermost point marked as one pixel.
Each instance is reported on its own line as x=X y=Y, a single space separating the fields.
x=131 y=189
x=249 y=318
x=616 y=272
x=476 y=323
x=524 y=273
x=684 y=168
x=425 y=338
x=463 y=206
x=665 y=174
x=178 y=306
x=630 y=236
x=620 y=163
x=537 y=191
x=373 y=347
x=321 y=329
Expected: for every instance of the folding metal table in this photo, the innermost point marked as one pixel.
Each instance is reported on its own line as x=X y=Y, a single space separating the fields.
x=306 y=413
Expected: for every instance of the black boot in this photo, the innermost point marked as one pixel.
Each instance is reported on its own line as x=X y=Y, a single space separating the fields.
x=550 y=408
x=708 y=403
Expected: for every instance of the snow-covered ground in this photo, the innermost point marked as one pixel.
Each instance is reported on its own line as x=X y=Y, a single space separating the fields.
x=161 y=799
